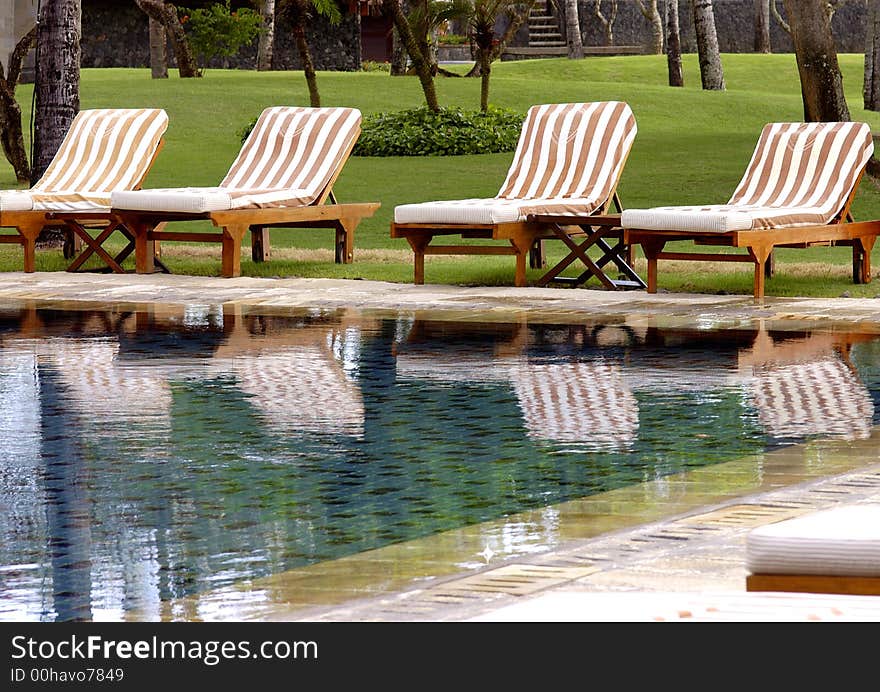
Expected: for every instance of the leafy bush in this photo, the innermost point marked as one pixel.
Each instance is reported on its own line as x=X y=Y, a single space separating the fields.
x=219 y=31
x=451 y=132
x=453 y=39
x=374 y=66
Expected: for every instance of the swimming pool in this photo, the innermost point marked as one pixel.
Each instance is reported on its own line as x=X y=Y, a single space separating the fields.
x=152 y=455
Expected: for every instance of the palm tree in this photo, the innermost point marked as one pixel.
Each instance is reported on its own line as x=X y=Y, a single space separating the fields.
x=166 y=14
x=482 y=18
x=711 y=71
x=267 y=36
x=821 y=81
x=300 y=13
x=11 y=133
x=56 y=86
x=421 y=64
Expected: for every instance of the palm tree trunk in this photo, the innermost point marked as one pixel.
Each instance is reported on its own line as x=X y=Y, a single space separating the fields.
x=166 y=14
x=711 y=72
x=266 y=43
x=422 y=68
x=485 y=73
x=158 y=57
x=573 y=31
x=673 y=45
x=821 y=81
x=305 y=55
x=11 y=133
x=57 y=78
x=762 y=26
x=871 y=85
x=56 y=87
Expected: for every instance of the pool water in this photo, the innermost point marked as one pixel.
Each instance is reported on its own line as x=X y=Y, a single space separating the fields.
x=150 y=456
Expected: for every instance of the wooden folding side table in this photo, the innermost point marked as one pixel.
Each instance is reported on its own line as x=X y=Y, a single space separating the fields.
x=597 y=230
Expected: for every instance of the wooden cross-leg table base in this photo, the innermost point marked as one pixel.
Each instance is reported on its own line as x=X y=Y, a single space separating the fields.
x=595 y=231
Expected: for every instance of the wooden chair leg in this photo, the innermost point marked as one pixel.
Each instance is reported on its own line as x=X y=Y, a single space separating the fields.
x=345 y=240
x=760 y=254
x=29 y=235
x=861 y=249
x=418 y=246
x=231 y=260
x=260 y=248
x=537 y=256
x=770 y=265
x=652 y=251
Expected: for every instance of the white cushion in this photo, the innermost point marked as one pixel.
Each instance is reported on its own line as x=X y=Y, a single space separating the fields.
x=190 y=200
x=16 y=200
x=720 y=219
x=844 y=541
x=461 y=211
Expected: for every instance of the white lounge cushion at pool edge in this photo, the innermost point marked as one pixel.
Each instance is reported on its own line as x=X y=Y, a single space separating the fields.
x=843 y=541
x=16 y=200
x=185 y=199
x=476 y=211
x=685 y=219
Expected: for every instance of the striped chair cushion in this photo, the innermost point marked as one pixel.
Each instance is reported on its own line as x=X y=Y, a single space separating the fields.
x=824 y=397
x=16 y=200
x=486 y=211
x=288 y=160
x=800 y=174
x=843 y=541
x=588 y=404
x=104 y=150
x=568 y=161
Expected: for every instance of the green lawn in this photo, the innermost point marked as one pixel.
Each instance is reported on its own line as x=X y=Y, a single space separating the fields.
x=692 y=147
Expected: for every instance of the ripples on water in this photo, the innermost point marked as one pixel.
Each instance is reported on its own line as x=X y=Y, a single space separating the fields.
x=147 y=457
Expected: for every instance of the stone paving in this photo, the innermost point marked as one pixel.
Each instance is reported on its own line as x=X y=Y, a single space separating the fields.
x=696 y=547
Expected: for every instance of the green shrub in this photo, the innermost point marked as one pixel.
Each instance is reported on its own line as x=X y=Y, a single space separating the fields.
x=220 y=31
x=451 y=132
x=453 y=39
x=375 y=66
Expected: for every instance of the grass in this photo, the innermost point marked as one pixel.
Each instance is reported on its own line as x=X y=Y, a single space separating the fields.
x=692 y=147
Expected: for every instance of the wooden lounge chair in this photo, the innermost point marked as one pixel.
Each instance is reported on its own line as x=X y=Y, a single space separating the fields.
x=796 y=192
x=568 y=162
x=834 y=550
x=104 y=150
x=282 y=176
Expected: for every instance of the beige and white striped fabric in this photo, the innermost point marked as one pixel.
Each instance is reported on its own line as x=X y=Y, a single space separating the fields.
x=287 y=161
x=822 y=397
x=568 y=161
x=588 y=405
x=101 y=389
x=301 y=389
x=104 y=150
x=800 y=174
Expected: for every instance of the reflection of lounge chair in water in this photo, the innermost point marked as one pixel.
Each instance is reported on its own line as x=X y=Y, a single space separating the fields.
x=588 y=404
x=294 y=380
x=101 y=388
x=805 y=387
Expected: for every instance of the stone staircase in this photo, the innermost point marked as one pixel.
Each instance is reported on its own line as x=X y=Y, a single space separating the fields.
x=545 y=39
x=544 y=29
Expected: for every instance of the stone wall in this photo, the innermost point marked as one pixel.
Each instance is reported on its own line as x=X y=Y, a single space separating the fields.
x=734 y=21
x=116 y=35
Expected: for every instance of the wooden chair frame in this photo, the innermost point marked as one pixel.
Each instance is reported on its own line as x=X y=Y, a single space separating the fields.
x=145 y=229
x=525 y=238
x=29 y=225
x=760 y=243
x=811 y=583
